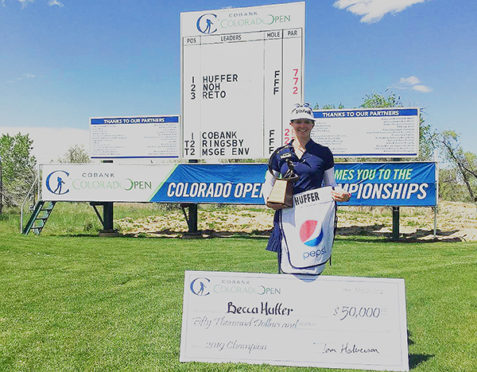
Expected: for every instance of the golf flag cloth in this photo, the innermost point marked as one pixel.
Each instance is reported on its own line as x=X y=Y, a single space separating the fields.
x=307 y=232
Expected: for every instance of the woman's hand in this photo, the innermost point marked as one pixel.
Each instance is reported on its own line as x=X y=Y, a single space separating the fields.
x=275 y=206
x=340 y=195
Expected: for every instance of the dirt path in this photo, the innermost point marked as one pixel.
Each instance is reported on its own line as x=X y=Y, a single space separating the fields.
x=455 y=222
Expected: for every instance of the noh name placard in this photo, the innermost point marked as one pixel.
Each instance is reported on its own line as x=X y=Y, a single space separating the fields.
x=290 y=320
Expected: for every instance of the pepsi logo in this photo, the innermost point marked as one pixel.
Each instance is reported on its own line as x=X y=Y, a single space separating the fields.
x=310 y=233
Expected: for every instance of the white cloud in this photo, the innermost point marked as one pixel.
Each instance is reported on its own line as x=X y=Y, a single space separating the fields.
x=412 y=82
x=25 y=76
x=55 y=2
x=421 y=88
x=373 y=10
x=50 y=144
x=25 y=2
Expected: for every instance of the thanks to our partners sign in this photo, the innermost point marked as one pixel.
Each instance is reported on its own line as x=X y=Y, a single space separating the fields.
x=376 y=132
x=326 y=321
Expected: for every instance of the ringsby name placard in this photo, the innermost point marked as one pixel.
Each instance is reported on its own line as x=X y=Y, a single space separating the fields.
x=325 y=321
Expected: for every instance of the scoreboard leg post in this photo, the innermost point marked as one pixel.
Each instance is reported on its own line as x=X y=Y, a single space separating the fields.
x=107 y=219
x=191 y=220
x=395 y=234
x=108 y=216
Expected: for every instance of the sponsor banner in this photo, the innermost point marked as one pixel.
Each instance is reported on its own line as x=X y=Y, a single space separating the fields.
x=102 y=182
x=392 y=184
x=180 y=183
x=293 y=320
x=246 y=19
x=242 y=72
x=389 y=184
x=135 y=137
x=383 y=132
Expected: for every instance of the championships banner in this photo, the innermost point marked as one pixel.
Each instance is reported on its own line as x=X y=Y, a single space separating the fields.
x=373 y=184
x=389 y=184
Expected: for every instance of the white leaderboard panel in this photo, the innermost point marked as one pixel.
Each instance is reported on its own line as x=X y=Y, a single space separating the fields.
x=242 y=72
x=135 y=137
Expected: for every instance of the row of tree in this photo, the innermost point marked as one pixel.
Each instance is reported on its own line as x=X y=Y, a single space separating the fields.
x=18 y=171
x=457 y=178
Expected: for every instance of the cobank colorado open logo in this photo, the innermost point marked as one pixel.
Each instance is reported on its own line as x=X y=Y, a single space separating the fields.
x=199 y=286
x=310 y=233
x=206 y=23
x=55 y=182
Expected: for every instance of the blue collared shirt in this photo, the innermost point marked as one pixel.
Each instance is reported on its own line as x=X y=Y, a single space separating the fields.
x=310 y=167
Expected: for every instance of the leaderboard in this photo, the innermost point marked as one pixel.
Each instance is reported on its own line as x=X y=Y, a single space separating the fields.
x=242 y=72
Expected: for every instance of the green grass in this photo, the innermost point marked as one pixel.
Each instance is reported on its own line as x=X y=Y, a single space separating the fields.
x=80 y=218
x=90 y=303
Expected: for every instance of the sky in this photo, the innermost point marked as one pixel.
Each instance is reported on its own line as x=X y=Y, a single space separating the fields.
x=64 y=61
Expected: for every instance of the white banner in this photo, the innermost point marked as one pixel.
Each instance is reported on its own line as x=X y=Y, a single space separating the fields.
x=375 y=132
x=135 y=137
x=324 y=321
x=242 y=71
x=102 y=182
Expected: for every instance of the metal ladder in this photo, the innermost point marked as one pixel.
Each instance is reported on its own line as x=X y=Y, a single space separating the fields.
x=38 y=218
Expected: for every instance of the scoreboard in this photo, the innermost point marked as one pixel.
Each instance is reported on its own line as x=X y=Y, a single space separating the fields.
x=241 y=74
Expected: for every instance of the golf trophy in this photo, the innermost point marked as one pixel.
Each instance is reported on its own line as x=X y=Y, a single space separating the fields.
x=282 y=191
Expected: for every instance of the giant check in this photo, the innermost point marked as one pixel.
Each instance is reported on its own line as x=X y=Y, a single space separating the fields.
x=326 y=321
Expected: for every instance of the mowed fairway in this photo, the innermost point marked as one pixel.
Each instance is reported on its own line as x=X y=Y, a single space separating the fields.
x=90 y=303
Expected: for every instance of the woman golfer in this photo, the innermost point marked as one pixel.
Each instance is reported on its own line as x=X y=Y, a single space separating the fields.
x=314 y=166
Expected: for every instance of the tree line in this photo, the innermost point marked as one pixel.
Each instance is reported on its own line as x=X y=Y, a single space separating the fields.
x=18 y=167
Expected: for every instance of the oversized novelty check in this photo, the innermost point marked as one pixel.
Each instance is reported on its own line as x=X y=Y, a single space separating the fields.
x=325 y=321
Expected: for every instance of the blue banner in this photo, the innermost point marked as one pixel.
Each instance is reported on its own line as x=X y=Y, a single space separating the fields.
x=389 y=184
x=371 y=184
x=135 y=120
x=213 y=183
x=359 y=113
